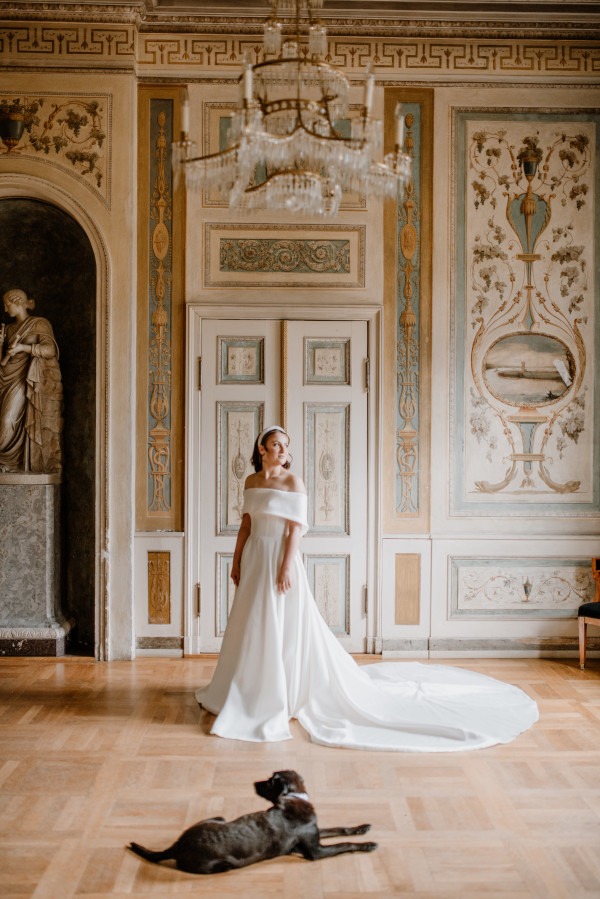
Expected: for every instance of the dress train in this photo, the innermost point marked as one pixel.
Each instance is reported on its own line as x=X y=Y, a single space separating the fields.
x=279 y=660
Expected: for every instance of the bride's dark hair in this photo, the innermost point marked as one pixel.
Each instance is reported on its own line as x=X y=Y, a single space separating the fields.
x=256 y=456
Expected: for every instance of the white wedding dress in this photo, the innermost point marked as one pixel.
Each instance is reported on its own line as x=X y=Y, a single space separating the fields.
x=279 y=660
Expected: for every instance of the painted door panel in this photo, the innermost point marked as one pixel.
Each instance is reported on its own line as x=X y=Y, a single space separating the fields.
x=326 y=403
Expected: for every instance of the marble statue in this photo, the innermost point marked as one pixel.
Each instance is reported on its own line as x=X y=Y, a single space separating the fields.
x=30 y=390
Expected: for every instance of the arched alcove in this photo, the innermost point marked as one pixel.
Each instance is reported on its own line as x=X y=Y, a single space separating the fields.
x=45 y=252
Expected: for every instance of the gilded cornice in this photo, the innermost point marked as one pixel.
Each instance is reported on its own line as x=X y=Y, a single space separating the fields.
x=141 y=38
x=533 y=22
x=72 y=12
x=386 y=28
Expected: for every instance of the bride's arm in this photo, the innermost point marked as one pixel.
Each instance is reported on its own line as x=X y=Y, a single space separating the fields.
x=284 y=579
x=243 y=534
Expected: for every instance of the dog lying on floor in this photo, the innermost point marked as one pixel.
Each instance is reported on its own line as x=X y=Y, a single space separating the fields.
x=289 y=826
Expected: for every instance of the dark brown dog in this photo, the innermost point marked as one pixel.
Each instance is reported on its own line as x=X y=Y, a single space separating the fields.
x=289 y=826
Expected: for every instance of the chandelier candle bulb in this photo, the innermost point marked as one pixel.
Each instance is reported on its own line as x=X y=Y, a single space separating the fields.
x=185 y=113
x=369 y=86
x=272 y=37
x=317 y=40
x=399 y=126
x=248 y=84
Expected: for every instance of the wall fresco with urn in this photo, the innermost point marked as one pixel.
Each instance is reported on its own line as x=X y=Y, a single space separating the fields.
x=519 y=588
x=69 y=131
x=524 y=406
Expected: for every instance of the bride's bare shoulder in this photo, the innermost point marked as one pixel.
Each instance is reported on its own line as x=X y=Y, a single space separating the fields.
x=251 y=481
x=294 y=484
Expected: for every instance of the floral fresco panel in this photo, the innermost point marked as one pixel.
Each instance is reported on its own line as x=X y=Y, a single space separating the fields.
x=519 y=588
x=67 y=131
x=525 y=314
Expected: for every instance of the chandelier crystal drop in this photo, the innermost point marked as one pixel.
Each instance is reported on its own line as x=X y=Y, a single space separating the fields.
x=292 y=145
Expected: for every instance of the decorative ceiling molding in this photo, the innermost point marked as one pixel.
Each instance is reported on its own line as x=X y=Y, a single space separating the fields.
x=119 y=13
x=552 y=19
x=190 y=56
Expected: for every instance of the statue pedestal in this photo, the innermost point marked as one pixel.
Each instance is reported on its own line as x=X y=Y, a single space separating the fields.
x=31 y=621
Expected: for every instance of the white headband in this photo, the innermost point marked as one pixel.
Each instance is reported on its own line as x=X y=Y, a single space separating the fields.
x=266 y=431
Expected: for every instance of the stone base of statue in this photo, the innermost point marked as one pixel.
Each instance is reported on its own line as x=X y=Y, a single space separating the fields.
x=31 y=621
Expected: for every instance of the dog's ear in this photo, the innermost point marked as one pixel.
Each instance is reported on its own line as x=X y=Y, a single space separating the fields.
x=279 y=782
x=272 y=788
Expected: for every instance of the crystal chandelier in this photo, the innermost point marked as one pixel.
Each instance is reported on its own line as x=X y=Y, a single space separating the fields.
x=289 y=144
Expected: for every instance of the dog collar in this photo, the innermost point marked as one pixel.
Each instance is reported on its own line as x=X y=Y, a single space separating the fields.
x=303 y=796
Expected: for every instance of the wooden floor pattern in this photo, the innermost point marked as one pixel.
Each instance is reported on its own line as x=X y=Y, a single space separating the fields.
x=93 y=755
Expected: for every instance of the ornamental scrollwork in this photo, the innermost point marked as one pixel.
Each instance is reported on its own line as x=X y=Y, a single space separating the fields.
x=159 y=353
x=558 y=588
x=68 y=131
x=528 y=293
x=268 y=255
x=407 y=343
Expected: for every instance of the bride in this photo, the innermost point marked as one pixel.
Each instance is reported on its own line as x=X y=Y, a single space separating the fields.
x=279 y=660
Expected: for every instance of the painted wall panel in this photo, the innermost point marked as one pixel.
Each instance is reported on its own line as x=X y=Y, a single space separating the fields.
x=524 y=426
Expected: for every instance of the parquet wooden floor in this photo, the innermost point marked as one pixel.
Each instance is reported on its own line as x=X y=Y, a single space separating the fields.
x=94 y=755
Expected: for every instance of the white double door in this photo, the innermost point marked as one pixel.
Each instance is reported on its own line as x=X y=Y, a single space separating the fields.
x=310 y=377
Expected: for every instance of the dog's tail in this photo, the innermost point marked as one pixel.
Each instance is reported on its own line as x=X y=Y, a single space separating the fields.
x=149 y=854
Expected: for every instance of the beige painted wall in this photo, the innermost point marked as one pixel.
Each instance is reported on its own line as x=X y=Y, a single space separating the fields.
x=114 y=238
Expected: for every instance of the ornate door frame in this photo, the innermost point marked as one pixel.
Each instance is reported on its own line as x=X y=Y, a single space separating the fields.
x=373 y=316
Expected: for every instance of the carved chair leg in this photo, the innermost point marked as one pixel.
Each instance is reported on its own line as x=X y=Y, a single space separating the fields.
x=582 y=635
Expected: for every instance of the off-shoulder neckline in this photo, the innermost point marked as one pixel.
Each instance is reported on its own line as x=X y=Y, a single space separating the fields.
x=274 y=490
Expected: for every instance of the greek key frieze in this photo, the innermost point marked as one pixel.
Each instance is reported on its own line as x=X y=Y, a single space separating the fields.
x=387 y=55
x=39 y=40
x=188 y=51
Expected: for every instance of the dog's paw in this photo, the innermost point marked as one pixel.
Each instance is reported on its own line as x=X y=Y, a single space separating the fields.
x=362 y=828
x=368 y=847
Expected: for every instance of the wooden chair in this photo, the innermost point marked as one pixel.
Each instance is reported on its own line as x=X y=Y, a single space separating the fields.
x=589 y=613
